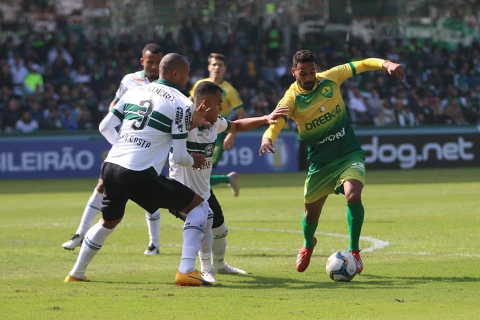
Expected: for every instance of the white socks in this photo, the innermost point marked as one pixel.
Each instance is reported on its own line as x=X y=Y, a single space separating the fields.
x=91 y=210
x=153 y=223
x=193 y=232
x=205 y=252
x=94 y=240
x=219 y=246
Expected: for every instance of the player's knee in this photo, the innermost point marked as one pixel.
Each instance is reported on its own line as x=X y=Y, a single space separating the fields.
x=110 y=224
x=100 y=188
x=353 y=197
x=196 y=201
x=220 y=232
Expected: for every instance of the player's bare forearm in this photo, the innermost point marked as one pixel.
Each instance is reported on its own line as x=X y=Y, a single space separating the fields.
x=112 y=104
x=251 y=123
x=266 y=147
x=246 y=124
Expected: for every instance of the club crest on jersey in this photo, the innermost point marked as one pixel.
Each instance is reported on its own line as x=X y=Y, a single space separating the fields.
x=327 y=91
x=209 y=150
x=179 y=119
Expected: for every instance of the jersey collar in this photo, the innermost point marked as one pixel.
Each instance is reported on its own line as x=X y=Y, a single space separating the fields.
x=303 y=91
x=168 y=83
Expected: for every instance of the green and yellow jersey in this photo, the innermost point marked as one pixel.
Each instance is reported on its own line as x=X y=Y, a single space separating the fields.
x=321 y=115
x=231 y=99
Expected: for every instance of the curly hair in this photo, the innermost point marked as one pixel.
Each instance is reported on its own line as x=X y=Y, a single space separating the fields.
x=303 y=56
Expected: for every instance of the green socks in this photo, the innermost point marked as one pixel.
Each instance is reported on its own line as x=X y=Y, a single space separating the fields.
x=308 y=232
x=355 y=214
x=217 y=179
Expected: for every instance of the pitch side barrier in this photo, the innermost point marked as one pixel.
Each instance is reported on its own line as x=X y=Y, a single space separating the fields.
x=408 y=148
x=80 y=155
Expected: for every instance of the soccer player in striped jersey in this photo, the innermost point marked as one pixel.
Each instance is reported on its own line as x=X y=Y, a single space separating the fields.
x=202 y=140
x=337 y=162
x=152 y=118
x=217 y=66
x=150 y=60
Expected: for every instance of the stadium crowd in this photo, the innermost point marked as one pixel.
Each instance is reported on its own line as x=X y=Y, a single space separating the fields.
x=63 y=80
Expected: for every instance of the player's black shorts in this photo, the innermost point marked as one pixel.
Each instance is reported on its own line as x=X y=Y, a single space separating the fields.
x=218 y=218
x=145 y=188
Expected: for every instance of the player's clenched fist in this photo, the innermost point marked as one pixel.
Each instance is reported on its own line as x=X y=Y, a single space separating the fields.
x=198 y=160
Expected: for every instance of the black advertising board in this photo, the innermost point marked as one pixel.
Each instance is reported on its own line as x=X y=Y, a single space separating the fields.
x=408 y=151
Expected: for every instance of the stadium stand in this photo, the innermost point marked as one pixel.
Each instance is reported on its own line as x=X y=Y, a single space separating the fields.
x=61 y=62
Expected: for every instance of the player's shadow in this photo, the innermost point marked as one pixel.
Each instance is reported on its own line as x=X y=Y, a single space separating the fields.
x=424 y=279
x=314 y=281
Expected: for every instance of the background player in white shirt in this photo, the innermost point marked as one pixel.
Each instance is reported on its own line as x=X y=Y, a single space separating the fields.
x=202 y=140
x=150 y=60
x=152 y=118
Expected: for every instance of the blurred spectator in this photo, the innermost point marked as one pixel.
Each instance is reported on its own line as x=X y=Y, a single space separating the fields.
x=5 y=77
x=404 y=115
x=81 y=73
x=34 y=80
x=259 y=104
x=69 y=119
x=18 y=72
x=454 y=113
x=274 y=41
x=358 y=108
x=59 y=53
x=53 y=121
x=386 y=117
x=26 y=124
x=10 y=115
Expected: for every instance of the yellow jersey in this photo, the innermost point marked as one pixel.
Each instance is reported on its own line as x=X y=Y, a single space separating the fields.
x=231 y=99
x=320 y=114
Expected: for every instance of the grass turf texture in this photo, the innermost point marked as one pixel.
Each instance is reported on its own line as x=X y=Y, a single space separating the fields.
x=429 y=270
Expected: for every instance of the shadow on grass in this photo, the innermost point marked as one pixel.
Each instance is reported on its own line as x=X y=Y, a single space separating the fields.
x=314 y=281
x=423 y=279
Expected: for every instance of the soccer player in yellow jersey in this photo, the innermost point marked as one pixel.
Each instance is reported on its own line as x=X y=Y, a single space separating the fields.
x=217 y=66
x=337 y=162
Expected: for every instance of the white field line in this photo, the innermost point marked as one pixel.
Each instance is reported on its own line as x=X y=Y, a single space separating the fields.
x=376 y=244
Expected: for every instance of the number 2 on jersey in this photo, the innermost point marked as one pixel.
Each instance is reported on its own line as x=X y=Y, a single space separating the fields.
x=145 y=114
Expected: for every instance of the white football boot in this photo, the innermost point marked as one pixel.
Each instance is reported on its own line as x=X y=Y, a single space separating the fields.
x=71 y=244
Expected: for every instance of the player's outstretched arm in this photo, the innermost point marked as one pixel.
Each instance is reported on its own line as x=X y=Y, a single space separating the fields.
x=251 y=123
x=267 y=146
x=230 y=138
x=394 y=69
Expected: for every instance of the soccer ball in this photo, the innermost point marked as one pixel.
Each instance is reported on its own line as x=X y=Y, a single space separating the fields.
x=341 y=266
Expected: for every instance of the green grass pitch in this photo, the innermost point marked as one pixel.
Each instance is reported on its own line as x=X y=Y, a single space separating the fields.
x=420 y=240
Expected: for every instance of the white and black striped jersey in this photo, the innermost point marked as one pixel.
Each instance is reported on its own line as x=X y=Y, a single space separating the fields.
x=151 y=116
x=200 y=140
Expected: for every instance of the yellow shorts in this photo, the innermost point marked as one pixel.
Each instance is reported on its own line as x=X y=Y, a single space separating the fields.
x=323 y=179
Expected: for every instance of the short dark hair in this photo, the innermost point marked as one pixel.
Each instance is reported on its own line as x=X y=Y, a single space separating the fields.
x=303 y=56
x=152 y=47
x=206 y=87
x=218 y=56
